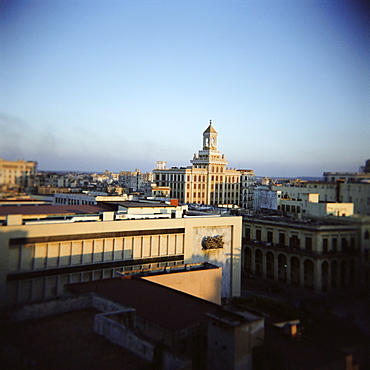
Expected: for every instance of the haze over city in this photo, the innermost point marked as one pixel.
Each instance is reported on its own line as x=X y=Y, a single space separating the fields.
x=118 y=85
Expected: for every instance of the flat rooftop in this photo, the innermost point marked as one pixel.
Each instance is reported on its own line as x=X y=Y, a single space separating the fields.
x=166 y=307
x=52 y=209
x=63 y=341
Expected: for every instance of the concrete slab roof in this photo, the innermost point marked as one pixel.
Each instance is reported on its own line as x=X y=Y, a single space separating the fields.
x=52 y=209
x=166 y=307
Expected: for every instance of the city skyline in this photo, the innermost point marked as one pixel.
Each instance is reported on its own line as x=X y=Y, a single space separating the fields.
x=93 y=86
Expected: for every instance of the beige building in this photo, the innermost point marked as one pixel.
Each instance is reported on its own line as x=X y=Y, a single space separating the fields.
x=331 y=192
x=17 y=175
x=207 y=181
x=45 y=247
x=310 y=206
x=322 y=255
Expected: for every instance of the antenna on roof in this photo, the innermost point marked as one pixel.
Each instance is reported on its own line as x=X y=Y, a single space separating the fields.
x=210 y=122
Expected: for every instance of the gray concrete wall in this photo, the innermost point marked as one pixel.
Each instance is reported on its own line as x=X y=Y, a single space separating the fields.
x=123 y=336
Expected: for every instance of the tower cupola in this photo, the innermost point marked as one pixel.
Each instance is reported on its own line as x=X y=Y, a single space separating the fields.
x=210 y=138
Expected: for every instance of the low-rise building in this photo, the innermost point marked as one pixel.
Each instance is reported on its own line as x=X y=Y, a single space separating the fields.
x=43 y=248
x=330 y=192
x=322 y=255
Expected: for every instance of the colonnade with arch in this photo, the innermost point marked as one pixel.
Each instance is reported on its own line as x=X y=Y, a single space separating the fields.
x=316 y=272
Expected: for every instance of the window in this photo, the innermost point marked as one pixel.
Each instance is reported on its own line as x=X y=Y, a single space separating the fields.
x=248 y=233
x=308 y=244
x=258 y=234
x=294 y=242
x=334 y=244
x=282 y=239
x=325 y=245
x=269 y=237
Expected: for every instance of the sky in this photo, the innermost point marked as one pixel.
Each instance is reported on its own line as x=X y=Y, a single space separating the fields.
x=117 y=85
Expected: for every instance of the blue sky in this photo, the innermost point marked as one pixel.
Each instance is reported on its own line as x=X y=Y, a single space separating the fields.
x=118 y=85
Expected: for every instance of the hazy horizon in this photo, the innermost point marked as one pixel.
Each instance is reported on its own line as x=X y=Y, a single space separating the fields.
x=118 y=85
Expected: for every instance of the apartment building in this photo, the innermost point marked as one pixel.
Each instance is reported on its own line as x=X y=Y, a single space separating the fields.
x=17 y=175
x=322 y=255
x=246 y=189
x=134 y=180
x=330 y=192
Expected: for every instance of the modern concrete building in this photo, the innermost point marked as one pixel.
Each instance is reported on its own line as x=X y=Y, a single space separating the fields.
x=43 y=248
x=207 y=180
x=17 y=175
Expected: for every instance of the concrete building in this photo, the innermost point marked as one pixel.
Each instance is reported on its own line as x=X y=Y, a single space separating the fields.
x=134 y=180
x=87 y=198
x=161 y=327
x=266 y=199
x=43 y=248
x=310 y=206
x=17 y=175
x=322 y=255
x=246 y=189
x=330 y=192
x=233 y=334
x=207 y=180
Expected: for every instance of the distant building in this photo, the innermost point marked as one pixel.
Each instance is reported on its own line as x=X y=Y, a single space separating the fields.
x=309 y=205
x=357 y=193
x=350 y=177
x=17 y=175
x=265 y=199
x=134 y=181
x=207 y=181
x=246 y=189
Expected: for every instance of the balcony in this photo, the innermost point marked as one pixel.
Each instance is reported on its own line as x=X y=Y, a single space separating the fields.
x=300 y=251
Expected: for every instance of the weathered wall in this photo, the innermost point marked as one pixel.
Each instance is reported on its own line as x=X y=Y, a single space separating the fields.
x=205 y=284
x=228 y=257
x=123 y=336
x=34 y=264
x=62 y=305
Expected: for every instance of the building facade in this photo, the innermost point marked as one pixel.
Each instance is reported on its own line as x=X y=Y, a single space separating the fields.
x=246 y=189
x=39 y=256
x=17 y=175
x=318 y=255
x=332 y=192
x=207 y=180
